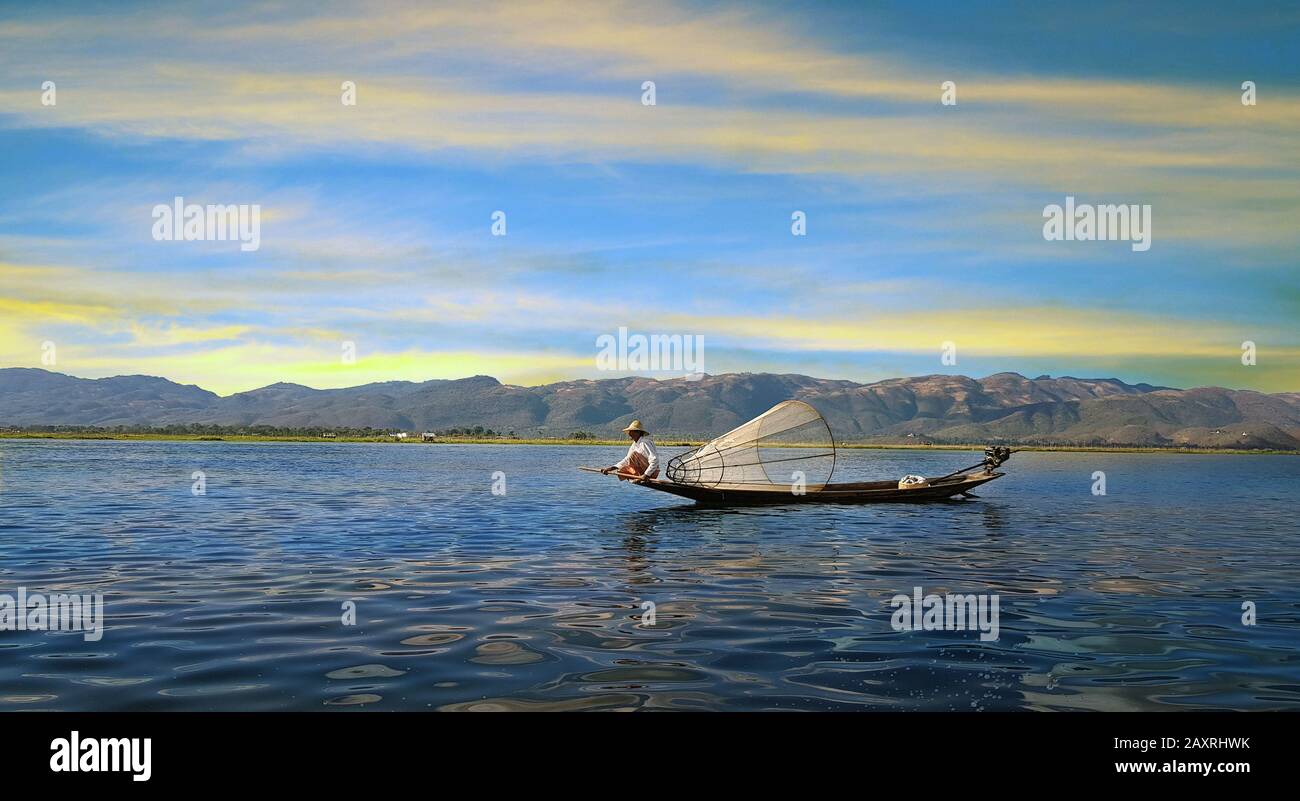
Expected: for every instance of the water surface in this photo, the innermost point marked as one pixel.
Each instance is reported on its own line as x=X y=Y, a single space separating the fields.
x=234 y=600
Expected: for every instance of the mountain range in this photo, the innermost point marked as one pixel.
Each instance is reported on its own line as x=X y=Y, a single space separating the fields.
x=1004 y=407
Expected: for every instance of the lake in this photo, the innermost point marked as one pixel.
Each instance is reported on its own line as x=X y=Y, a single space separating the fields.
x=315 y=576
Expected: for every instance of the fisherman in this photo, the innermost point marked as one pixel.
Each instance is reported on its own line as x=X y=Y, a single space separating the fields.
x=642 y=460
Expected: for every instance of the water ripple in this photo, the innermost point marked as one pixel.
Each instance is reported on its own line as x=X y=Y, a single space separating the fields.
x=389 y=577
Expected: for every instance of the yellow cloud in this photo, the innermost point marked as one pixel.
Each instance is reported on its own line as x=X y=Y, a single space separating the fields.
x=745 y=50
x=54 y=311
x=1076 y=134
x=238 y=368
x=169 y=334
x=1020 y=332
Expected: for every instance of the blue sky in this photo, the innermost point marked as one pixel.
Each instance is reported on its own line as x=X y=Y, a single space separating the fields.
x=924 y=220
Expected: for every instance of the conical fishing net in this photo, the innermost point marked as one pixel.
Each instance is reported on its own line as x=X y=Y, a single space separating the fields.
x=788 y=446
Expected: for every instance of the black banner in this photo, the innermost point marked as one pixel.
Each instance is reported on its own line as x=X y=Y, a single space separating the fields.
x=214 y=751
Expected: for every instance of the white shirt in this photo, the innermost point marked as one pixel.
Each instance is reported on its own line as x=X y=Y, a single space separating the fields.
x=646 y=447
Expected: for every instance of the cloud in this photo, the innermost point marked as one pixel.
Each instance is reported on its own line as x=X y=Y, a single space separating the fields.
x=242 y=367
x=1022 y=331
x=523 y=88
x=755 y=113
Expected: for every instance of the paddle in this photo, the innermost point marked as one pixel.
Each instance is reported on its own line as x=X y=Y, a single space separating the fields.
x=636 y=480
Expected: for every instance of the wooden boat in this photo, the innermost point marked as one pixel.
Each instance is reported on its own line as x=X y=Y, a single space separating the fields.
x=856 y=492
x=748 y=466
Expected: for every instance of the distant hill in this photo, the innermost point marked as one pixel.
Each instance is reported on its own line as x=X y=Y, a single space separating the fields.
x=1005 y=407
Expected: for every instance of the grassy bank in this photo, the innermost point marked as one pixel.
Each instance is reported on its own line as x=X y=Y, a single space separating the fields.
x=152 y=437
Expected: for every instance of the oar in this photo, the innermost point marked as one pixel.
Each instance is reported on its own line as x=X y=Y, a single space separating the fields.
x=634 y=480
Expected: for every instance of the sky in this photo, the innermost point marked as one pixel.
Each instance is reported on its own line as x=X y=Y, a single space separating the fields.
x=924 y=220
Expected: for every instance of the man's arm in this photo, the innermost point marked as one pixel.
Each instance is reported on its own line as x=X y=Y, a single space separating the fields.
x=622 y=463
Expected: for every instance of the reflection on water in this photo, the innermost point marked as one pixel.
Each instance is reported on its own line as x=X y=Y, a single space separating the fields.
x=535 y=600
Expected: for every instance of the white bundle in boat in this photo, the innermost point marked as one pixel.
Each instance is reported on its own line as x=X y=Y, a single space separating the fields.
x=788 y=446
x=913 y=482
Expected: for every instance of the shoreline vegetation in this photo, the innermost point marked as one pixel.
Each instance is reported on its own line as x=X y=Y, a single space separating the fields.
x=578 y=438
